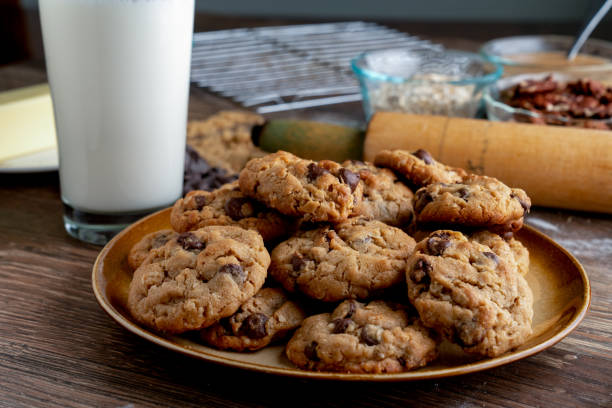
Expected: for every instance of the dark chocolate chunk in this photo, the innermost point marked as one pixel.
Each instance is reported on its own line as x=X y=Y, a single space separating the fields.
x=491 y=256
x=437 y=243
x=159 y=241
x=311 y=351
x=235 y=271
x=422 y=199
x=423 y=155
x=340 y=325
x=297 y=262
x=463 y=193
x=526 y=206
x=350 y=178
x=420 y=273
x=200 y=201
x=254 y=326
x=239 y=207
x=352 y=309
x=315 y=171
x=366 y=337
x=190 y=242
x=402 y=361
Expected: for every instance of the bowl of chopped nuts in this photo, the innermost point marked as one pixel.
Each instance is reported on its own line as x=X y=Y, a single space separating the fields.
x=424 y=81
x=550 y=99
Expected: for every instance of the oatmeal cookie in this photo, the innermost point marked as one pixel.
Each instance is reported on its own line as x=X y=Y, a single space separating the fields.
x=266 y=317
x=141 y=250
x=419 y=167
x=228 y=206
x=385 y=198
x=224 y=139
x=469 y=294
x=379 y=337
x=314 y=191
x=353 y=259
x=197 y=278
x=478 y=201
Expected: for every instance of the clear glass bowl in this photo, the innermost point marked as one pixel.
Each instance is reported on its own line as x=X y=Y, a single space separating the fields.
x=546 y=53
x=423 y=81
x=499 y=111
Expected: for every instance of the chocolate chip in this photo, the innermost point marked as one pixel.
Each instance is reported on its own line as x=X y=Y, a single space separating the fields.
x=311 y=351
x=437 y=243
x=315 y=171
x=507 y=236
x=254 y=326
x=227 y=326
x=239 y=207
x=526 y=206
x=420 y=273
x=422 y=199
x=340 y=325
x=297 y=262
x=235 y=271
x=190 y=242
x=423 y=155
x=352 y=309
x=463 y=193
x=402 y=361
x=350 y=178
x=491 y=256
x=200 y=201
x=159 y=241
x=366 y=337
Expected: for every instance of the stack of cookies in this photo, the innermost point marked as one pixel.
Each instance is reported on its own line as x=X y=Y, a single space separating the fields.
x=249 y=263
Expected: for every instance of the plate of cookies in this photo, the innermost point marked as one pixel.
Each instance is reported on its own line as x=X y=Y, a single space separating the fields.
x=402 y=269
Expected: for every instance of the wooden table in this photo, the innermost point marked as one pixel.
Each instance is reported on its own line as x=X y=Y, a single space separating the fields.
x=59 y=349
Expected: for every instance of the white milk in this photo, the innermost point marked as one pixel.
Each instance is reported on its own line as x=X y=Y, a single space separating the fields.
x=119 y=75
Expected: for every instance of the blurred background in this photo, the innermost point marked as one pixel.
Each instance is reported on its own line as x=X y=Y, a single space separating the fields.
x=438 y=20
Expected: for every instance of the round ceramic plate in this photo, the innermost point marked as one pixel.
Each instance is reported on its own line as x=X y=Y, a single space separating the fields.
x=559 y=284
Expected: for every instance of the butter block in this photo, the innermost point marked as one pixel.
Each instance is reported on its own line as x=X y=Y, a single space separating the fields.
x=26 y=122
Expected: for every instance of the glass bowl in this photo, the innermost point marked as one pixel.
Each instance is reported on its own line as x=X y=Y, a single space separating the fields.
x=500 y=111
x=546 y=53
x=423 y=81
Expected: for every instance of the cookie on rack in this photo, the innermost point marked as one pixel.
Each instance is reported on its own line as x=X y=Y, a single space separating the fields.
x=378 y=337
x=385 y=198
x=197 y=278
x=142 y=248
x=469 y=294
x=419 y=167
x=313 y=191
x=477 y=201
x=268 y=316
x=228 y=206
x=353 y=259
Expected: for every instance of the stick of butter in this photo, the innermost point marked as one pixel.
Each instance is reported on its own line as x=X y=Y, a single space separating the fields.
x=26 y=122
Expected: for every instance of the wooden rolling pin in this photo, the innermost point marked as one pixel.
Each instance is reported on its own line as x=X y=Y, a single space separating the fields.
x=561 y=167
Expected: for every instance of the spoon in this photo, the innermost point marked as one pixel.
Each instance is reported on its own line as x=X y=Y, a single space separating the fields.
x=588 y=28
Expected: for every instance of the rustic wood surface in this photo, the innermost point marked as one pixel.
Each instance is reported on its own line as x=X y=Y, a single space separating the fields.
x=59 y=349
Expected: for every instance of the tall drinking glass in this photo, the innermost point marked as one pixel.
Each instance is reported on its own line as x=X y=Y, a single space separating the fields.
x=119 y=77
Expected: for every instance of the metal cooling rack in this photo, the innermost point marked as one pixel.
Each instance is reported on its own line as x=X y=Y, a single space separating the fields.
x=289 y=67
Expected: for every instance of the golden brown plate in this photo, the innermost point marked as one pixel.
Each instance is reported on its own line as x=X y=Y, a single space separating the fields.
x=560 y=286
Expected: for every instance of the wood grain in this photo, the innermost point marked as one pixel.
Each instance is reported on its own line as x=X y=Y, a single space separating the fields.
x=59 y=349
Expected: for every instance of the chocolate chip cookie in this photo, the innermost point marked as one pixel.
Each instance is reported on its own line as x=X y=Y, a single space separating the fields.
x=266 y=317
x=314 y=191
x=197 y=278
x=228 y=206
x=379 y=337
x=141 y=250
x=478 y=201
x=224 y=139
x=385 y=198
x=470 y=294
x=419 y=167
x=352 y=259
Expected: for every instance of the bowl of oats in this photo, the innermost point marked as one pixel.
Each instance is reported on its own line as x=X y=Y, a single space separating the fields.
x=424 y=81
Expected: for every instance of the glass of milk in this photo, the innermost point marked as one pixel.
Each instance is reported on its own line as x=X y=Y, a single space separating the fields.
x=119 y=77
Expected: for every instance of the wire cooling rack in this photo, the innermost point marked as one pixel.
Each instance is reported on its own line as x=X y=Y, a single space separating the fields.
x=282 y=68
